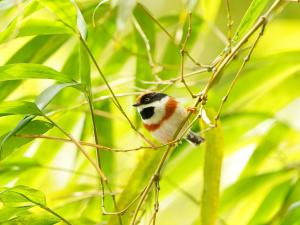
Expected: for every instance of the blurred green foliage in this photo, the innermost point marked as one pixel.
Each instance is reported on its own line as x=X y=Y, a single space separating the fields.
x=247 y=172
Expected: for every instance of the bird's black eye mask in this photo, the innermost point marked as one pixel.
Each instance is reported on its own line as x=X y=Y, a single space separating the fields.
x=147 y=113
x=151 y=97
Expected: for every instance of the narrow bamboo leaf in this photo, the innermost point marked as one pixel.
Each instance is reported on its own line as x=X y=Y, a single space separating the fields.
x=212 y=172
x=34 y=219
x=84 y=68
x=42 y=101
x=9 y=142
x=8 y=213
x=22 y=194
x=18 y=165
x=18 y=108
x=42 y=27
x=22 y=71
x=68 y=12
x=268 y=144
x=38 y=49
x=253 y=12
x=51 y=92
x=11 y=29
x=271 y=204
x=105 y=135
x=33 y=27
x=81 y=24
x=236 y=192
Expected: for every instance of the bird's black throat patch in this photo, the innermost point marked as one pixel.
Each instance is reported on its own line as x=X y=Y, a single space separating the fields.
x=147 y=113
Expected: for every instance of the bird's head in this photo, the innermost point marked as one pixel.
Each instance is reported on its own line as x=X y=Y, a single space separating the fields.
x=151 y=106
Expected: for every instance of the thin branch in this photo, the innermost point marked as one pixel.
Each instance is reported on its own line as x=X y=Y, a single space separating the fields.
x=246 y=59
x=182 y=53
x=45 y=208
x=90 y=101
x=105 y=148
x=88 y=157
x=261 y=22
x=145 y=40
x=114 y=98
x=229 y=24
x=169 y=35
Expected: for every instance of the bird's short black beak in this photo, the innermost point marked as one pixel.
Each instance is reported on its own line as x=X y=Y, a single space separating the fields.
x=136 y=104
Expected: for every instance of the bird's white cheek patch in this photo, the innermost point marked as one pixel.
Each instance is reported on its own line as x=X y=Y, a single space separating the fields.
x=157 y=116
x=159 y=111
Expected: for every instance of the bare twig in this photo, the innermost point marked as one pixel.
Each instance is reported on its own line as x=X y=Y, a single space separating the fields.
x=182 y=53
x=94 y=164
x=114 y=98
x=169 y=35
x=229 y=24
x=246 y=59
x=105 y=148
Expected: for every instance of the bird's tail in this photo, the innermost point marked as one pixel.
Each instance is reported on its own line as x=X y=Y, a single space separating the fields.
x=194 y=138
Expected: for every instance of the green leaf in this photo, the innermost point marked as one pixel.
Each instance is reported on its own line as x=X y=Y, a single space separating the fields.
x=33 y=219
x=51 y=92
x=270 y=205
x=254 y=11
x=234 y=194
x=68 y=12
x=212 y=172
x=32 y=27
x=105 y=135
x=18 y=108
x=22 y=71
x=23 y=194
x=37 y=50
x=84 y=67
x=9 y=142
x=8 y=213
x=42 y=101
x=268 y=144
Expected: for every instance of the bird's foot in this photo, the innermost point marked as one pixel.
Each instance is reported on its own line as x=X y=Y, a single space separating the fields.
x=192 y=109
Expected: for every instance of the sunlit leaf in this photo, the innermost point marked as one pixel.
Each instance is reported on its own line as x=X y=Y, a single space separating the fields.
x=18 y=107
x=22 y=194
x=34 y=219
x=9 y=213
x=271 y=204
x=69 y=13
x=10 y=143
x=255 y=10
x=22 y=71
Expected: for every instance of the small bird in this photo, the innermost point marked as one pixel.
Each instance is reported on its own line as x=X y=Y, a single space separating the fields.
x=162 y=115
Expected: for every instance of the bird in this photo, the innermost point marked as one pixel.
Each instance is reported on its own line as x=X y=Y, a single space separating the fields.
x=162 y=115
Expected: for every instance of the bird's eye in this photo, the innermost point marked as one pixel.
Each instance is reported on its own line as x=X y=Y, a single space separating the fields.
x=147 y=99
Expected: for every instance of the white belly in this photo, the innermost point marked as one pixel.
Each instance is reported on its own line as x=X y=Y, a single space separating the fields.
x=165 y=133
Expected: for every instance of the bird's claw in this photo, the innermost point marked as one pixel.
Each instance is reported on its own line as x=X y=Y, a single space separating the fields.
x=192 y=109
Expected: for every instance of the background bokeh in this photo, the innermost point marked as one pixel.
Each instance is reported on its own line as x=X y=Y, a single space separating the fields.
x=260 y=122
